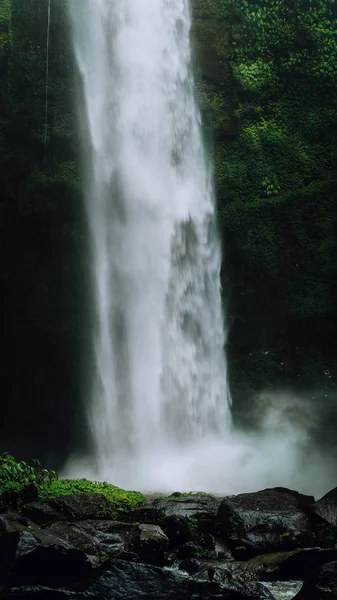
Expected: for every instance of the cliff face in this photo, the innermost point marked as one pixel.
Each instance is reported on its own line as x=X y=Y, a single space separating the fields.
x=42 y=232
x=266 y=83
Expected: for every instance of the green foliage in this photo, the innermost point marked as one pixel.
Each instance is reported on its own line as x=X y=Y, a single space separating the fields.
x=5 y=27
x=17 y=475
x=271 y=104
x=14 y=475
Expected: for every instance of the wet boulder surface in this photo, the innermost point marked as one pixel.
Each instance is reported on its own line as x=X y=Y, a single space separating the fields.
x=272 y=520
x=321 y=584
x=188 y=521
x=182 y=546
x=74 y=507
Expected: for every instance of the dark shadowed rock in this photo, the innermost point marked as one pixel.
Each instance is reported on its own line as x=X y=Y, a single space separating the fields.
x=200 y=510
x=28 y=493
x=282 y=566
x=237 y=578
x=127 y=581
x=29 y=555
x=320 y=584
x=74 y=507
x=153 y=544
x=271 y=520
x=113 y=539
x=191 y=565
x=36 y=592
x=185 y=520
x=323 y=515
x=109 y=538
x=326 y=507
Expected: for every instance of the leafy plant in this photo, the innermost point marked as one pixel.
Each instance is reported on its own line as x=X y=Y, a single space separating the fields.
x=16 y=475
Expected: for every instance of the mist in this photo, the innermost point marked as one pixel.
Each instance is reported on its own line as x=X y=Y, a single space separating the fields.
x=283 y=447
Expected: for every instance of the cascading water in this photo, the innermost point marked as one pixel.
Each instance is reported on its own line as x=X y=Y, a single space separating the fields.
x=159 y=343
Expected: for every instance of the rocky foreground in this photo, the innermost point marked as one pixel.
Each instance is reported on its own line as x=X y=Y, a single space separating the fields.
x=193 y=546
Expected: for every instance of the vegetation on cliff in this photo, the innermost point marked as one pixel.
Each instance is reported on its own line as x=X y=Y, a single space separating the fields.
x=270 y=103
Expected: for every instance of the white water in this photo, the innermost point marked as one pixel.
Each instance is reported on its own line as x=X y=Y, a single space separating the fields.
x=159 y=407
x=159 y=340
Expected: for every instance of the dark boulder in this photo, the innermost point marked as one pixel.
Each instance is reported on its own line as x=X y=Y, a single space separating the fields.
x=320 y=584
x=326 y=507
x=237 y=578
x=29 y=555
x=183 y=519
x=25 y=493
x=271 y=520
x=323 y=515
x=36 y=592
x=128 y=581
x=191 y=565
x=283 y=566
x=114 y=539
x=109 y=538
x=153 y=544
x=74 y=507
x=199 y=510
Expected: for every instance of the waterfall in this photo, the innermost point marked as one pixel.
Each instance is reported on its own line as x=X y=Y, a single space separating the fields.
x=161 y=382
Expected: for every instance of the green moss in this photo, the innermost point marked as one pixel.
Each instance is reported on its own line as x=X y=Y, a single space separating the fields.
x=187 y=494
x=15 y=476
x=121 y=499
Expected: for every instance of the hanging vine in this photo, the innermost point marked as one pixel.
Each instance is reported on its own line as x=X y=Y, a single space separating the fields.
x=47 y=74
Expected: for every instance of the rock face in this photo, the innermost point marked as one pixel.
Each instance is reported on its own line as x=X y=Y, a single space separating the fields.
x=30 y=555
x=272 y=520
x=128 y=581
x=321 y=584
x=326 y=507
x=224 y=548
x=237 y=578
x=188 y=521
x=283 y=566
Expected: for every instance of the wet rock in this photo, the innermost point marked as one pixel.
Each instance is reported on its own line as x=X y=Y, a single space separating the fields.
x=111 y=538
x=320 y=584
x=271 y=520
x=127 y=581
x=190 y=565
x=182 y=518
x=190 y=550
x=237 y=578
x=281 y=566
x=153 y=544
x=42 y=513
x=178 y=530
x=29 y=555
x=38 y=593
x=28 y=493
x=323 y=515
x=75 y=507
x=198 y=509
x=326 y=507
